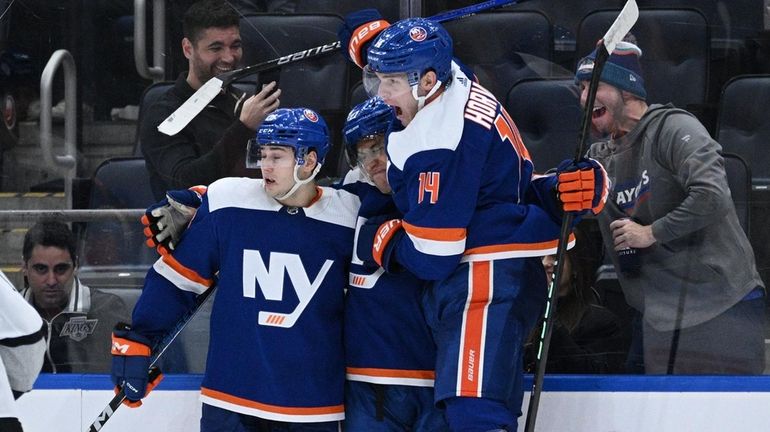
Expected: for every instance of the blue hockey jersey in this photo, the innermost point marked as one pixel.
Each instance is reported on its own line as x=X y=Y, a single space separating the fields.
x=387 y=340
x=276 y=347
x=464 y=181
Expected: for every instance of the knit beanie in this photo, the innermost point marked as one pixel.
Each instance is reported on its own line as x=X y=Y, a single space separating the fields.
x=622 y=69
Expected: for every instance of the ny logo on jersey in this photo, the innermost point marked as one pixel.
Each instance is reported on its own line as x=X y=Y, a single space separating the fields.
x=429 y=182
x=270 y=280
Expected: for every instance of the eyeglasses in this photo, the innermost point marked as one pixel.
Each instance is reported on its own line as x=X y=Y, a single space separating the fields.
x=58 y=269
x=365 y=155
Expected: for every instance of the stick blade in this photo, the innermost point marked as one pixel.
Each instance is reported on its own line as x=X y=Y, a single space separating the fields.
x=183 y=115
x=622 y=25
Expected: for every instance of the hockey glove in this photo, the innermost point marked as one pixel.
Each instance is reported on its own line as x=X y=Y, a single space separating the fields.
x=376 y=242
x=358 y=31
x=165 y=221
x=582 y=186
x=130 y=365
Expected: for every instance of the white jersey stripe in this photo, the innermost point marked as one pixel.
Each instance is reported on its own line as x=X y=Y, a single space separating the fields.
x=437 y=247
x=177 y=279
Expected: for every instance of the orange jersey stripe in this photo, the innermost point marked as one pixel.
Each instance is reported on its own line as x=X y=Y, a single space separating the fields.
x=472 y=353
x=318 y=194
x=214 y=394
x=439 y=234
x=516 y=246
x=186 y=272
x=400 y=373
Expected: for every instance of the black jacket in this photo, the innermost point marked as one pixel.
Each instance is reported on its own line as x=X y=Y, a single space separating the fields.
x=212 y=146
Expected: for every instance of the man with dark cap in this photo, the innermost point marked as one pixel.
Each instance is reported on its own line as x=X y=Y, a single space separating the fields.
x=693 y=275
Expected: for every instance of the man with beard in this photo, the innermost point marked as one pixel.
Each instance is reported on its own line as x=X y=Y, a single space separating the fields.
x=213 y=145
x=78 y=319
x=695 y=281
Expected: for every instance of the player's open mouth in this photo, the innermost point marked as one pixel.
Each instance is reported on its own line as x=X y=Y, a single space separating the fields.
x=221 y=70
x=269 y=181
x=598 y=111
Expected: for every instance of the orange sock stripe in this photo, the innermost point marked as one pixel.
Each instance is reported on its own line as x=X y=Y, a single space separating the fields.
x=479 y=292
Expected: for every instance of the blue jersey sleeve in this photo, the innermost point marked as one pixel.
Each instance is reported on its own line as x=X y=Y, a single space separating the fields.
x=441 y=205
x=174 y=281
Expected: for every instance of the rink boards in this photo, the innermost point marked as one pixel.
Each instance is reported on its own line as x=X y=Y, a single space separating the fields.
x=570 y=403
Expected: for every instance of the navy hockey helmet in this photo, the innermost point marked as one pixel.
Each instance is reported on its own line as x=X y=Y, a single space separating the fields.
x=300 y=128
x=371 y=117
x=412 y=46
x=366 y=120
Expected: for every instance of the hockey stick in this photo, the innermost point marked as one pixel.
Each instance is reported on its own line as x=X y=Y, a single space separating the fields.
x=157 y=351
x=183 y=115
x=615 y=34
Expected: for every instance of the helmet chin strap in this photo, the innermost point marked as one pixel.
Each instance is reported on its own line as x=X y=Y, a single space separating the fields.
x=421 y=99
x=298 y=183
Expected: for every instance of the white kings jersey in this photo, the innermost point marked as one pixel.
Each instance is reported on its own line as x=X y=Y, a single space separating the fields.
x=276 y=347
x=21 y=346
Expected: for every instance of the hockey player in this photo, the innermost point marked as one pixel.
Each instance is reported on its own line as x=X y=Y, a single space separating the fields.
x=281 y=246
x=22 y=348
x=475 y=220
x=389 y=352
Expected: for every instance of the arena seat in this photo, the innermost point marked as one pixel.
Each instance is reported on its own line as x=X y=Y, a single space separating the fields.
x=150 y=95
x=114 y=257
x=357 y=94
x=547 y=113
x=739 y=181
x=673 y=72
x=118 y=183
x=727 y=19
x=521 y=47
x=320 y=84
x=388 y=8
x=743 y=125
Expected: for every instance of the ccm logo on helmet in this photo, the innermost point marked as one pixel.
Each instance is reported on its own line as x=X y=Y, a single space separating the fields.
x=418 y=34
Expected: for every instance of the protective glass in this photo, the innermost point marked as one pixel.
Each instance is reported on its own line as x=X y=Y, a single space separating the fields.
x=387 y=86
x=376 y=150
x=269 y=155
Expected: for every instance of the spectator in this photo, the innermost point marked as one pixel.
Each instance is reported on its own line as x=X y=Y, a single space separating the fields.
x=21 y=351
x=213 y=144
x=695 y=281
x=79 y=319
x=587 y=337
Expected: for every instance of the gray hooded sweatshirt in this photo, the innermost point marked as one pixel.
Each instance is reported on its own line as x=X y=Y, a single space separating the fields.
x=668 y=172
